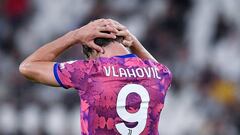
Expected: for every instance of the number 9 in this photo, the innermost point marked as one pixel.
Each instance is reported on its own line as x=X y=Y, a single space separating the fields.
x=140 y=116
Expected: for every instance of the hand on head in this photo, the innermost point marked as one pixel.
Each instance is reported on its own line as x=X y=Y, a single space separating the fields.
x=123 y=32
x=102 y=28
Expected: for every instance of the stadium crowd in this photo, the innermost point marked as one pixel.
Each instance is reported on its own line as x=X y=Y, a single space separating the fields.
x=198 y=40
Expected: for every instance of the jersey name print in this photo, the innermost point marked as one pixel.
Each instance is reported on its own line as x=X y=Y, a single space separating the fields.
x=118 y=95
x=138 y=72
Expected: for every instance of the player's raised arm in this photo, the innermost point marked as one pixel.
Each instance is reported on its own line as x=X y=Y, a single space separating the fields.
x=38 y=66
x=138 y=49
x=132 y=42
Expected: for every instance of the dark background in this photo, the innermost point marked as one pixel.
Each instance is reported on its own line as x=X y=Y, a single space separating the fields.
x=199 y=40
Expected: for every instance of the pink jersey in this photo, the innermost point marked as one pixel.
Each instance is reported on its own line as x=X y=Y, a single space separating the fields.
x=122 y=95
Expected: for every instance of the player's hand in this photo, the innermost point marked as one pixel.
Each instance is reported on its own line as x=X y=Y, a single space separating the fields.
x=86 y=34
x=124 y=32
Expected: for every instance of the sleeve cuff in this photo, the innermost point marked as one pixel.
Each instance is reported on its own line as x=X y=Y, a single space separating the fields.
x=55 y=71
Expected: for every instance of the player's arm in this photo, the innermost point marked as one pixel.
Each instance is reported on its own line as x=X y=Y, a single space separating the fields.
x=137 y=48
x=38 y=67
x=132 y=42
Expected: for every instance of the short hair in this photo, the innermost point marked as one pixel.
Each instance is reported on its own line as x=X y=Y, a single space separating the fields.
x=102 y=42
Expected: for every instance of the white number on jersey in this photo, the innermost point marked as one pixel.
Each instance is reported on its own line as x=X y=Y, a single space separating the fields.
x=140 y=116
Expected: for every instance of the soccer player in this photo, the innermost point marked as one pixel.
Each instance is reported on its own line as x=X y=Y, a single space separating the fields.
x=122 y=91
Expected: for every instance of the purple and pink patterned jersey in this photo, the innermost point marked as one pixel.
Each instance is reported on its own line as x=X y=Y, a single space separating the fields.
x=122 y=95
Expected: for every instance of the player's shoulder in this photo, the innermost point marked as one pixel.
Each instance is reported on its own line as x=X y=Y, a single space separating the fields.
x=74 y=64
x=81 y=63
x=161 y=67
x=156 y=64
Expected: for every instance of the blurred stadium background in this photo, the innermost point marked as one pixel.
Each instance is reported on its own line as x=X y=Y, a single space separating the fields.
x=199 y=40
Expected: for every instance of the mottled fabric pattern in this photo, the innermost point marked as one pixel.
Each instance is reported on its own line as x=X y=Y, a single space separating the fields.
x=99 y=83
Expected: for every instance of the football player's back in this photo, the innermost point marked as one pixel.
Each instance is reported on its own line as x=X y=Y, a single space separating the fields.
x=119 y=95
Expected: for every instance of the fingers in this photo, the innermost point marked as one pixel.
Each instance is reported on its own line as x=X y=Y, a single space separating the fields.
x=114 y=28
x=122 y=33
x=109 y=22
x=105 y=35
x=95 y=47
x=117 y=25
x=108 y=29
x=126 y=34
x=103 y=22
x=109 y=25
x=127 y=43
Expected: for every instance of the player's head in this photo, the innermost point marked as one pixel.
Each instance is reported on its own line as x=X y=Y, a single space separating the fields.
x=102 y=42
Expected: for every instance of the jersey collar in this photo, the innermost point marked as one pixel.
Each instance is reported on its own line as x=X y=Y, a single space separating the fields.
x=126 y=56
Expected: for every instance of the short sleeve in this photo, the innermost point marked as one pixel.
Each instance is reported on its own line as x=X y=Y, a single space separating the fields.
x=65 y=73
x=166 y=75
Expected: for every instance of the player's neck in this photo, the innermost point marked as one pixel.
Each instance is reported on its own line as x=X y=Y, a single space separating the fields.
x=114 y=49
